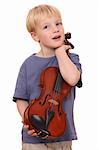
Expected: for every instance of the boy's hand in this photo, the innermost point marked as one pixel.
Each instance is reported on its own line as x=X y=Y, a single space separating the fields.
x=26 y=127
x=30 y=132
x=63 y=47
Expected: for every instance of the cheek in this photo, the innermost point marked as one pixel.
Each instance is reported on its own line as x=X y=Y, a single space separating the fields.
x=64 y=37
x=44 y=38
x=62 y=31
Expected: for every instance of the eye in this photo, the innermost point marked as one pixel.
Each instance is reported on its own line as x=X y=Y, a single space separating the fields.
x=45 y=27
x=58 y=23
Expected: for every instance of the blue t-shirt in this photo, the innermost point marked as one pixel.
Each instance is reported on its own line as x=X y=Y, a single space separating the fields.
x=27 y=88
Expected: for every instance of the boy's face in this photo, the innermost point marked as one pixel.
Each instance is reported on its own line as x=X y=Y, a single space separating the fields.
x=50 y=32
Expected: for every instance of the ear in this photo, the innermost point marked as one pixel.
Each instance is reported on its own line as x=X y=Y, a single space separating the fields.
x=35 y=36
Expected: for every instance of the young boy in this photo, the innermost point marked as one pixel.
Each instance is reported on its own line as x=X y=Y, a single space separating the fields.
x=44 y=23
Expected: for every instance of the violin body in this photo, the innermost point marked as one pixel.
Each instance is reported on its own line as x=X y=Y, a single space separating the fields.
x=46 y=114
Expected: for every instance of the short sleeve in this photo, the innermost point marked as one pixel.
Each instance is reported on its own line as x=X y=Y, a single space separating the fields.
x=75 y=59
x=21 y=85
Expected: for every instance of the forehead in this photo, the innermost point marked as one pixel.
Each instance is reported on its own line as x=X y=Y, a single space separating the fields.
x=48 y=19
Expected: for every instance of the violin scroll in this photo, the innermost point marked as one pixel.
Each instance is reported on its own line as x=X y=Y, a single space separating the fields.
x=68 y=36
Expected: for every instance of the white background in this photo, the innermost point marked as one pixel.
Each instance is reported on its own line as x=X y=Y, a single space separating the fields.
x=80 y=17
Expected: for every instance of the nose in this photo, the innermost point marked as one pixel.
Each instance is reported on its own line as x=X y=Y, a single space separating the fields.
x=55 y=29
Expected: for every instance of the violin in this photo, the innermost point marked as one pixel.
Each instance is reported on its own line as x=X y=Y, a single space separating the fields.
x=45 y=114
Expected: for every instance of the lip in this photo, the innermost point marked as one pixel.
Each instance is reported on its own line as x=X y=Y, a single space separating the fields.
x=56 y=37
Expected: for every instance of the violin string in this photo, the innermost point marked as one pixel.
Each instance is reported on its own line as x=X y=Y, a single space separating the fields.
x=60 y=80
x=55 y=88
x=58 y=83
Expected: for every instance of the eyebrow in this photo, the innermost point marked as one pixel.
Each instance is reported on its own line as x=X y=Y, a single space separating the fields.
x=45 y=23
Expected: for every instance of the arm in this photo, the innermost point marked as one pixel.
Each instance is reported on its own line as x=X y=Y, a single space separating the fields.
x=68 y=69
x=21 y=106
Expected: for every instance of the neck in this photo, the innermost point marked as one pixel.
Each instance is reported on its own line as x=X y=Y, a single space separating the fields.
x=46 y=52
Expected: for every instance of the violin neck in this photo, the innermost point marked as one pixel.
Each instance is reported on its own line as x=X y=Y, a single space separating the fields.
x=58 y=83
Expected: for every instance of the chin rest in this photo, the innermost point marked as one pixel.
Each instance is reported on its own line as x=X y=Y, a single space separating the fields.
x=41 y=125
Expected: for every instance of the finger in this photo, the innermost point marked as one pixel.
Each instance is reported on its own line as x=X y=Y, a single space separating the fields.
x=26 y=126
x=67 y=47
x=30 y=132
x=34 y=134
x=70 y=47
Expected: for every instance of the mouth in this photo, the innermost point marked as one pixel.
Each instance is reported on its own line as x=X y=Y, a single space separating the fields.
x=56 y=37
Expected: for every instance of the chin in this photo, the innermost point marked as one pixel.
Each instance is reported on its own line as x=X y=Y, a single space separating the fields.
x=58 y=45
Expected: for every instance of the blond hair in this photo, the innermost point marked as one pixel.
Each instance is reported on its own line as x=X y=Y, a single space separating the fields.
x=37 y=12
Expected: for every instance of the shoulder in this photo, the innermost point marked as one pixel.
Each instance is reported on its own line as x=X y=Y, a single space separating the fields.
x=74 y=57
x=26 y=63
x=28 y=60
